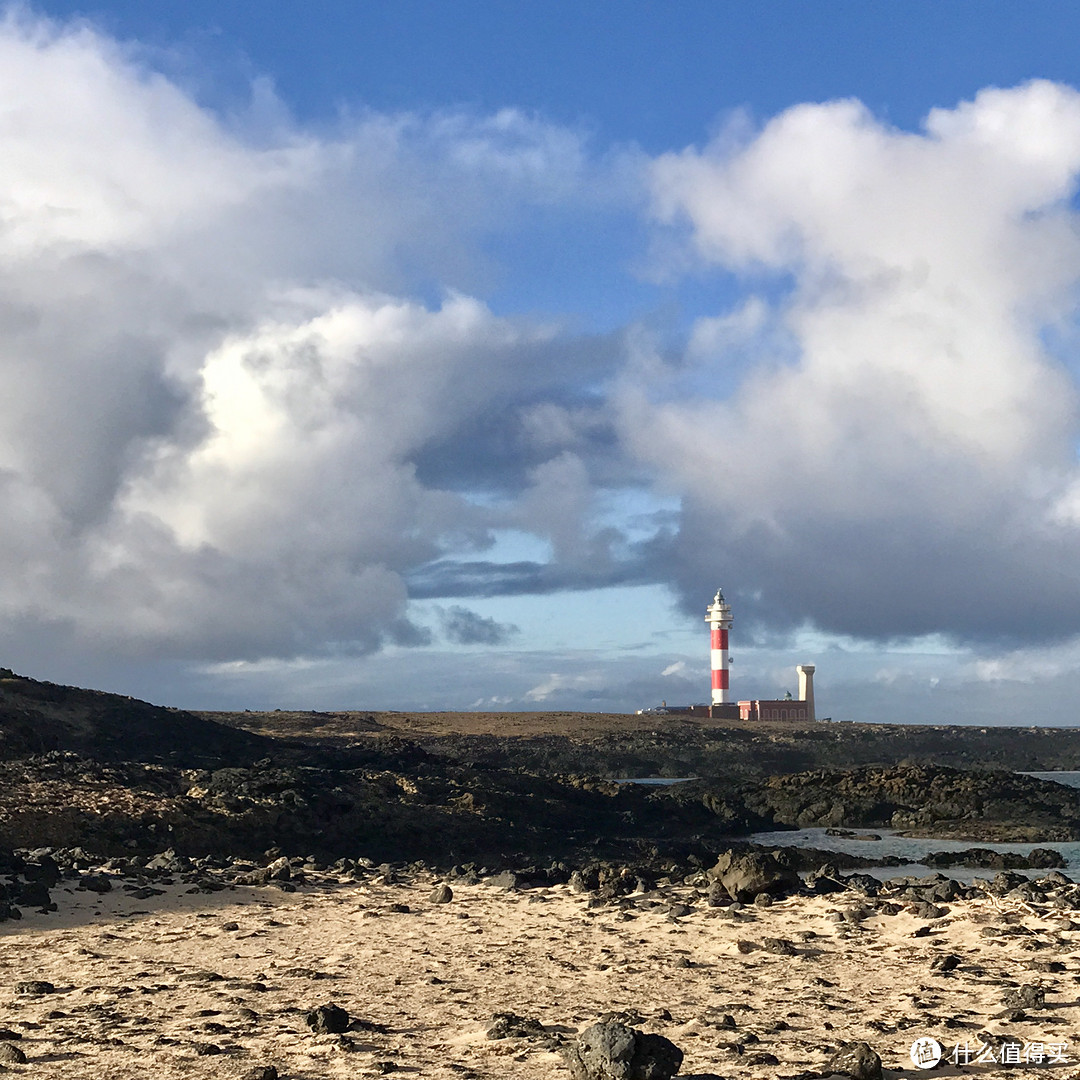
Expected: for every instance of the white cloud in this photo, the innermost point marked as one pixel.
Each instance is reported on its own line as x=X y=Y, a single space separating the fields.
x=896 y=461
x=217 y=405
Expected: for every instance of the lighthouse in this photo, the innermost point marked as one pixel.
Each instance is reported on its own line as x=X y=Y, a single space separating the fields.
x=718 y=616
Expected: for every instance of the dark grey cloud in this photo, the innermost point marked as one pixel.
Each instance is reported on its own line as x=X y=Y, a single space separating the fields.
x=465 y=627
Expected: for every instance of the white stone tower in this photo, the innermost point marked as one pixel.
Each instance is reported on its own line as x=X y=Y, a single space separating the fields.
x=806 y=688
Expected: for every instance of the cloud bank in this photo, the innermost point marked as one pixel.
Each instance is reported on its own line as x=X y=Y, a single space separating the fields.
x=901 y=456
x=230 y=426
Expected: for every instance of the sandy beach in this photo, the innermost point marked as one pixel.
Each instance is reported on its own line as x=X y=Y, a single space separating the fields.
x=217 y=985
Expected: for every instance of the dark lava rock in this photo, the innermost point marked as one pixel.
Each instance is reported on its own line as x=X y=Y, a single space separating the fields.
x=1029 y=996
x=745 y=875
x=145 y=893
x=262 y=1072
x=506 y=880
x=948 y=962
x=34 y=987
x=11 y=1055
x=612 y=1051
x=279 y=870
x=988 y=859
x=863 y=883
x=328 y=1020
x=98 y=883
x=32 y=893
x=857 y=1060
x=928 y=800
x=442 y=894
x=508 y=1025
x=780 y=946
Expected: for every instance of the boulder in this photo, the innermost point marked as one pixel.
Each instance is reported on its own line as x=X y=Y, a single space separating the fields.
x=328 y=1020
x=1028 y=996
x=746 y=875
x=609 y=1050
x=857 y=1060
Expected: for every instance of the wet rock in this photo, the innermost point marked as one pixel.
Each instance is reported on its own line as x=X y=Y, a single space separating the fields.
x=613 y=1051
x=327 y=1020
x=857 y=1060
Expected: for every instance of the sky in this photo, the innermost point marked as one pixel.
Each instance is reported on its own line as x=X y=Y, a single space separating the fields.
x=406 y=355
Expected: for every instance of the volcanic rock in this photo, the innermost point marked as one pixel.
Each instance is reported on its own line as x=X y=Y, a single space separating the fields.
x=508 y=1025
x=11 y=1055
x=613 y=1051
x=857 y=1060
x=745 y=875
x=328 y=1020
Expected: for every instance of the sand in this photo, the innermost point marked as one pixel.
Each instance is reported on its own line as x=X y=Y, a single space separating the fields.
x=143 y=985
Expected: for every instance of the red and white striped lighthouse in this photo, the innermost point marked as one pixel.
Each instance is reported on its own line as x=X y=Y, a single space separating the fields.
x=719 y=619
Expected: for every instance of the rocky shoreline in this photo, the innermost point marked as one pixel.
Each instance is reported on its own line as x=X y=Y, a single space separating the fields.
x=118 y=814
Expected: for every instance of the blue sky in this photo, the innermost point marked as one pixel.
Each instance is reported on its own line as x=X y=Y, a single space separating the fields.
x=416 y=355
